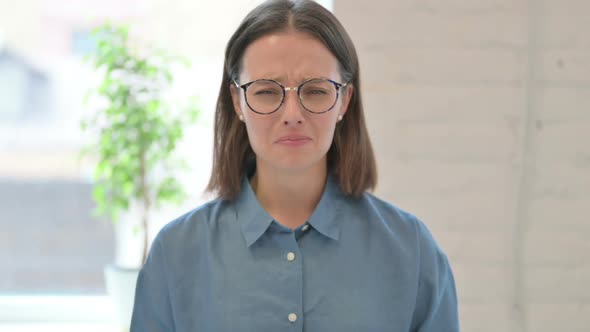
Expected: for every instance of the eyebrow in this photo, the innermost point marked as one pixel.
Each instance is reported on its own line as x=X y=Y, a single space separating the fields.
x=282 y=78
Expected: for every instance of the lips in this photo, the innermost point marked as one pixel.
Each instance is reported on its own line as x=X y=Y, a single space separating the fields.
x=293 y=138
x=293 y=141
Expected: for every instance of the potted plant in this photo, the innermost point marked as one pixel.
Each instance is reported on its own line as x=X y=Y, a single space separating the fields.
x=136 y=134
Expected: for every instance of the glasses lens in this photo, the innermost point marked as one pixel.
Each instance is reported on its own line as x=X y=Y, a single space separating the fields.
x=318 y=96
x=264 y=96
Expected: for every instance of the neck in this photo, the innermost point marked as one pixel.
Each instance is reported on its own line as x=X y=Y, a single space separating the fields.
x=289 y=197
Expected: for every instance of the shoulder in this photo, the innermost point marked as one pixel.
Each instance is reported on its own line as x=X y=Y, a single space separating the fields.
x=387 y=210
x=190 y=225
x=402 y=224
x=390 y=216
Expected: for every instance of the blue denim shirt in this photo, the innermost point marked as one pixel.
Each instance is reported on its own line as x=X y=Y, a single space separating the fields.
x=356 y=265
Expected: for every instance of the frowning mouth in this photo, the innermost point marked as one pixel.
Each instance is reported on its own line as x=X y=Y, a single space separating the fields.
x=293 y=140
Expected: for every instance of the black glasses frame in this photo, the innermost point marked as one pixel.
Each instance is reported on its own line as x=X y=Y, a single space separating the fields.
x=285 y=89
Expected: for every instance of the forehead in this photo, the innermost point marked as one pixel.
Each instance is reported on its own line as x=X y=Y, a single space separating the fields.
x=288 y=56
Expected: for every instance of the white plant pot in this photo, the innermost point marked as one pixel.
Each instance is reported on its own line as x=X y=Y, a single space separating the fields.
x=120 y=285
x=121 y=275
x=129 y=237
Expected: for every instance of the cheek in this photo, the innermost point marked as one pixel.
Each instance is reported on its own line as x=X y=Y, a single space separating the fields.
x=325 y=133
x=252 y=125
x=258 y=132
x=338 y=108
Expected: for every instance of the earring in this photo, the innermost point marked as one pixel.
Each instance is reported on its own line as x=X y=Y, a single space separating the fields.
x=241 y=117
x=339 y=117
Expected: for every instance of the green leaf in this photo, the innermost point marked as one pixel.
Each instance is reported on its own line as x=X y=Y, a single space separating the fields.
x=98 y=194
x=137 y=125
x=128 y=188
x=115 y=215
x=169 y=190
x=103 y=169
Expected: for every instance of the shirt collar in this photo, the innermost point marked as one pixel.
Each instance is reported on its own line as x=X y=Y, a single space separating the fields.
x=254 y=220
x=326 y=216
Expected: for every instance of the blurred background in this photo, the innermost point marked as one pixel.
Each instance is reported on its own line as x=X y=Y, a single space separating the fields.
x=479 y=112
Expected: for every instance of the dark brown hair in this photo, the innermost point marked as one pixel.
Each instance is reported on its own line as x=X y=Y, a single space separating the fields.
x=350 y=156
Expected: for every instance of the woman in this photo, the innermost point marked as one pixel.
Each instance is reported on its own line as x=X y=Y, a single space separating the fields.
x=294 y=242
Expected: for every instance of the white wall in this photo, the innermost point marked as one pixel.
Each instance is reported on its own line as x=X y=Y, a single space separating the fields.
x=480 y=116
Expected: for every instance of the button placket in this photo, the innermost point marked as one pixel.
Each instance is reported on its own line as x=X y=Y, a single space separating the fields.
x=294 y=270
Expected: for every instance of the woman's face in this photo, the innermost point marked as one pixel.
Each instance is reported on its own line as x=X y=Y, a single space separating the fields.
x=292 y=138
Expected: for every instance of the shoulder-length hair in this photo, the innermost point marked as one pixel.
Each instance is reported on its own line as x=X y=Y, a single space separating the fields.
x=350 y=157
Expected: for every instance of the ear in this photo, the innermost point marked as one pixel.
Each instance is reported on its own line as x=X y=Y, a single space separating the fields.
x=235 y=96
x=346 y=97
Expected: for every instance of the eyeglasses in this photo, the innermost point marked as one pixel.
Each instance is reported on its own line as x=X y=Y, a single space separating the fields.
x=316 y=95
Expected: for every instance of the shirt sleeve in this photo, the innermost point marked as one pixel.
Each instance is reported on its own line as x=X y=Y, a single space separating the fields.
x=436 y=303
x=152 y=310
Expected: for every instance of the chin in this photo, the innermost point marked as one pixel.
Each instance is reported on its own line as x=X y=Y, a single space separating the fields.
x=297 y=163
x=292 y=161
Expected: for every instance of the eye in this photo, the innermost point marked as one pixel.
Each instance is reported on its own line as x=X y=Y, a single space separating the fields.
x=316 y=92
x=266 y=92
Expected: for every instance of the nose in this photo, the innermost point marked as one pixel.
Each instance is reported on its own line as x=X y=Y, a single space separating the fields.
x=293 y=112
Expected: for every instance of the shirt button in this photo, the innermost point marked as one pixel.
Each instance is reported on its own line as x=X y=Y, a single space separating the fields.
x=291 y=256
x=305 y=227
x=292 y=318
